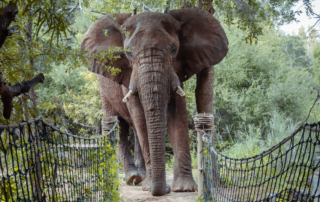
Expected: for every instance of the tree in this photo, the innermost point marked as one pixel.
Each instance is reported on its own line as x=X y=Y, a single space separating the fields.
x=24 y=51
x=256 y=81
x=8 y=92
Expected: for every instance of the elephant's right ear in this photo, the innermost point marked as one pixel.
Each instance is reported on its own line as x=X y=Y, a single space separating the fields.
x=102 y=34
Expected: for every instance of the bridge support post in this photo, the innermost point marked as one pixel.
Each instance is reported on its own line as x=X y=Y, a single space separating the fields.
x=106 y=125
x=203 y=123
x=200 y=165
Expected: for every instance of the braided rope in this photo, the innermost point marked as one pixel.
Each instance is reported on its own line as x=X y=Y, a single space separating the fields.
x=40 y=162
x=289 y=173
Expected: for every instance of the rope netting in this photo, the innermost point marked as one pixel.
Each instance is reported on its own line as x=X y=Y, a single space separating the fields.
x=289 y=171
x=39 y=162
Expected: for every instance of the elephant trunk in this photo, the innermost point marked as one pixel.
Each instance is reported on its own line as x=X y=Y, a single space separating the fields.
x=154 y=91
x=155 y=118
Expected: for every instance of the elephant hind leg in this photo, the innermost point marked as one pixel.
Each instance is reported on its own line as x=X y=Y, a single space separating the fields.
x=131 y=171
x=138 y=157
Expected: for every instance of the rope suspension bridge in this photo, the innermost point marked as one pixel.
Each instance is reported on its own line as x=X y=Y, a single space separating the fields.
x=39 y=162
x=289 y=171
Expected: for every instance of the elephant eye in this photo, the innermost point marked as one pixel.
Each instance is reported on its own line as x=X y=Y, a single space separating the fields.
x=129 y=53
x=173 y=50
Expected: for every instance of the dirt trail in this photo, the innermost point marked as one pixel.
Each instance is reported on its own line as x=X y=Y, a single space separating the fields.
x=135 y=194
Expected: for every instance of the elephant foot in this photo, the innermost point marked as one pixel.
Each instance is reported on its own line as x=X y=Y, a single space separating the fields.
x=142 y=172
x=184 y=184
x=146 y=185
x=134 y=178
x=161 y=193
x=168 y=189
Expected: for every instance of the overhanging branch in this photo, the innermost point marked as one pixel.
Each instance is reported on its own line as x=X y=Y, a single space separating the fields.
x=9 y=92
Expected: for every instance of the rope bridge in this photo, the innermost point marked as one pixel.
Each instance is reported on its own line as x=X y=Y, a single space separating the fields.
x=39 y=162
x=289 y=171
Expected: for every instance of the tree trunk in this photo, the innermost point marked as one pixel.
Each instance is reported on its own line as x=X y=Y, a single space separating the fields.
x=8 y=14
x=32 y=93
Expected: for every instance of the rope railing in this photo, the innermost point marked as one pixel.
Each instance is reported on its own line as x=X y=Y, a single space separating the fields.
x=289 y=171
x=40 y=162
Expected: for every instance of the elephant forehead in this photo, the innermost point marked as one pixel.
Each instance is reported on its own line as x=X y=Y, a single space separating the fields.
x=149 y=19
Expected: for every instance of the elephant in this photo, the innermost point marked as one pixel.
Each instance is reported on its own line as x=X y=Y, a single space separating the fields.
x=160 y=52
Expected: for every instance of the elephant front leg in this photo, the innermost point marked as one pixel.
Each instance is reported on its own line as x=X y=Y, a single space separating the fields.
x=139 y=122
x=131 y=171
x=204 y=93
x=204 y=90
x=179 y=137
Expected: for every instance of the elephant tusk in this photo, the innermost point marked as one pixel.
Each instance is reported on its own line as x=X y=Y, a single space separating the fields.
x=126 y=98
x=180 y=91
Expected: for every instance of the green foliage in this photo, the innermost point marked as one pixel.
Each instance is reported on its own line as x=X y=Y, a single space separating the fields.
x=108 y=171
x=262 y=92
x=255 y=80
x=250 y=142
x=246 y=144
x=17 y=157
x=73 y=94
x=279 y=127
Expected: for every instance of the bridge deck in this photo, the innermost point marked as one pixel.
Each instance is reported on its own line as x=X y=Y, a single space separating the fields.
x=135 y=193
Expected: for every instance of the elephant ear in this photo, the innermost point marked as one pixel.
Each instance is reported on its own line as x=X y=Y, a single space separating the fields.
x=101 y=35
x=203 y=42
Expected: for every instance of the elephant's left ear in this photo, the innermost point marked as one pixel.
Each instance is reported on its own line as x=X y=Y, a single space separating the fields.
x=203 y=42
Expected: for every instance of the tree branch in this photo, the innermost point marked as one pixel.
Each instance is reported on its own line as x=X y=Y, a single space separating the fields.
x=98 y=12
x=82 y=13
x=9 y=92
x=12 y=30
x=146 y=8
x=208 y=4
x=167 y=6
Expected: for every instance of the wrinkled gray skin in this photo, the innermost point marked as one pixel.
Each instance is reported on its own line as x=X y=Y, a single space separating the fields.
x=165 y=50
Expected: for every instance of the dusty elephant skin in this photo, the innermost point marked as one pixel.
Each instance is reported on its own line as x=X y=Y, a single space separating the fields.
x=164 y=51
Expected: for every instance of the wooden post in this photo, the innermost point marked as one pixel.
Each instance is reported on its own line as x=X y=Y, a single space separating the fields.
x=203 y=122
x=106 y=125
x=200 y=165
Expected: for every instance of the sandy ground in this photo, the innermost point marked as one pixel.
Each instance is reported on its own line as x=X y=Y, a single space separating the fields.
x=135 y=194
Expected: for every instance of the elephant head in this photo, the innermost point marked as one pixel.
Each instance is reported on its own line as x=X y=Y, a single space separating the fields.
x=163 y=50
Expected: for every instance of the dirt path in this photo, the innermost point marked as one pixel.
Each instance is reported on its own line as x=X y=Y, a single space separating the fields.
x=135 y=194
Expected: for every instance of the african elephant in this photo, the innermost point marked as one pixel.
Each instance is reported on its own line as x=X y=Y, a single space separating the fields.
x=163 y=51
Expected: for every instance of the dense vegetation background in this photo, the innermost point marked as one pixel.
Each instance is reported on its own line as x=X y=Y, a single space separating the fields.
x=264 y=88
